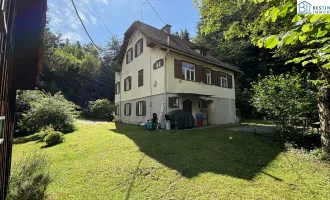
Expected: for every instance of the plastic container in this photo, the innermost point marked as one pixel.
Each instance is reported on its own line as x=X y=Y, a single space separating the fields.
x=199 y=122
x=168 y=125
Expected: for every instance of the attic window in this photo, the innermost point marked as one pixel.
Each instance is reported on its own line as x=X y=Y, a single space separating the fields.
x=201 y=51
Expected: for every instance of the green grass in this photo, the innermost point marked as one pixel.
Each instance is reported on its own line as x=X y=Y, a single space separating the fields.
x=258 y=122
x=116 y=161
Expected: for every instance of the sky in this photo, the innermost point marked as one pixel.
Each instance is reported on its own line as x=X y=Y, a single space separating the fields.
x=118 y=15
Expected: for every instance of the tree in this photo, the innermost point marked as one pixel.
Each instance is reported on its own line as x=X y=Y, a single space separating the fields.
x=284 y=97
x=184 y=34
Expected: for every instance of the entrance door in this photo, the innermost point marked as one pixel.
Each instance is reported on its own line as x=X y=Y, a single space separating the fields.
x=187 y=105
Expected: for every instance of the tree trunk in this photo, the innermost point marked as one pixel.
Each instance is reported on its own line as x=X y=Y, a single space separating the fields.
x=324 y=114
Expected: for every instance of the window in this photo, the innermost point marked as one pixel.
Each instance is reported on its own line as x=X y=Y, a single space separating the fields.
x=141 y=108
x=208 y=76
x=158 y=63
x=128 y=83
x=2 y=128
x=140 y=78
x=117 y=89
x=188 y=71
x=223 y=80
x=127 y=109
x=129 y=56
x=173 y=102
x=117 y=110
x=139 y=47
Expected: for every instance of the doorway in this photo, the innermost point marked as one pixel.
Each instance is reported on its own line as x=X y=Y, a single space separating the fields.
x=187 y=105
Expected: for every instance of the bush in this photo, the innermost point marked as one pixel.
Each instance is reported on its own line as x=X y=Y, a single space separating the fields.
x=50 y=110
x=54 y=138
x=99 y=109
x=24 y=99
x=320 y=154
x=29 y=178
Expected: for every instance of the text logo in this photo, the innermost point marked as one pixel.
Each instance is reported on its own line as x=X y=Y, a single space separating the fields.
x=304 y=8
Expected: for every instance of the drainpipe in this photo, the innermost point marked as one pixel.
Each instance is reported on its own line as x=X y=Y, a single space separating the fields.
x=165 y=77
x=150 y=88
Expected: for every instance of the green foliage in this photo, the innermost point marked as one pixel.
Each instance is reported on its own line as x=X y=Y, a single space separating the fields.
x=50 y=110
x=99 y=109
x=80 y=72
x=320 y=154
x=29 y=178
x=54 y=138
x=284 y=98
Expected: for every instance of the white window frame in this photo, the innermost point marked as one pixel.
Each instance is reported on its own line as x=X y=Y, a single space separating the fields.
x=126 y=109
x=2 y=128
x=140 y=108
x=117 y=87
x=138 y=47
x=130 y=56
x=158 y=64
x=208 y=76
x=223 y=79
x=176 y=102
x=127 y=82
x=187 y=71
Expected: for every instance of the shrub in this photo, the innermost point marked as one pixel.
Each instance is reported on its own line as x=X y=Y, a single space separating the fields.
x=50 y=110
x=320 y=154
x=29 y=178
x=99 y=109
x=24 y=99
x=284 y=98
x=54 y=138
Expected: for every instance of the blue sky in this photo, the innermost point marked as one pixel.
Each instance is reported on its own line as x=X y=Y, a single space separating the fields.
x=118 y=16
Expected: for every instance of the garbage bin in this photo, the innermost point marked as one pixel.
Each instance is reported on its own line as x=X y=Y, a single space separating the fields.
x=199 y=120
x=168 y=122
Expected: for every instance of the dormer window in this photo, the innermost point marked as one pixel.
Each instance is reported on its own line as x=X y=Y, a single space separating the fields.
x=201 y=50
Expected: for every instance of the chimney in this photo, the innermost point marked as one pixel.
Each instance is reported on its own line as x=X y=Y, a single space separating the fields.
x=167 y=28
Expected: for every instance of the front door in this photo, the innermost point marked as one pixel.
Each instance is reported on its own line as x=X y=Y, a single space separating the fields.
x=187 y=105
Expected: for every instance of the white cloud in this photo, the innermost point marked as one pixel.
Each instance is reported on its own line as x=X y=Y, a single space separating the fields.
x=72 y=36
x=105 y=1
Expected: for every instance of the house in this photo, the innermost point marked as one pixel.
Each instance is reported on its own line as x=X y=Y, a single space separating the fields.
x=304 y=8
x=21 y=29
x=155 y=66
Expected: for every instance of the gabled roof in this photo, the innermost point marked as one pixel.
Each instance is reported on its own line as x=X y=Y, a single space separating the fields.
x=176 y=44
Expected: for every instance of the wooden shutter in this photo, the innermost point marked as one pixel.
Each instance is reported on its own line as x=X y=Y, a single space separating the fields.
x=213 y=77
x=131 y=54
x=137 y=108
x=127 y=57
x=161 y=62
x=129 y=109
x=155 y=65
x=125 y=89
x=217 y=78
x=135 y=47
x=130 y=83
x=230 y=81
x=141 y=45
x=144 y=108
x=199 y=73
x=177 y=69
x=140 y=78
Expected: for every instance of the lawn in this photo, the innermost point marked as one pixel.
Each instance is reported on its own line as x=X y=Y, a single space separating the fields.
x=116 y=161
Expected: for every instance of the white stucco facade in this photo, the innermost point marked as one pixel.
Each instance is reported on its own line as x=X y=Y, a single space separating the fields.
x=221 y=101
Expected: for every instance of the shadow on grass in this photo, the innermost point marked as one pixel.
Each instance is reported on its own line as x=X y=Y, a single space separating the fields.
x=215 y=150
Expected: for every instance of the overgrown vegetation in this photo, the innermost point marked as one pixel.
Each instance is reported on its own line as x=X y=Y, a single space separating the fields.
x=99 y=109
x=29 y=178
x=46 y=110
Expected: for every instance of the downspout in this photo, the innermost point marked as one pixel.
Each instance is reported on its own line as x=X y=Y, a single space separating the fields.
x=120 y=92
x=150 y=88
x=165 y=68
